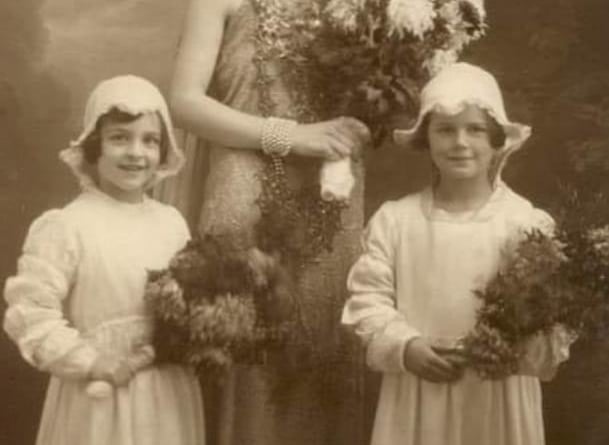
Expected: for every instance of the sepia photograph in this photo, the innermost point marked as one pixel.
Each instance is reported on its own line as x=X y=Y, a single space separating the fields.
x=304 y=222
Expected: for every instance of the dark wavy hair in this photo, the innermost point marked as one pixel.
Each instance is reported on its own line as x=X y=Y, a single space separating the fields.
x=91 y=146
x=420 y=140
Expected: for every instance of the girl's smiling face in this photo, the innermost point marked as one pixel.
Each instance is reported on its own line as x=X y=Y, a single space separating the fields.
x=460 y=144
x=130 y=155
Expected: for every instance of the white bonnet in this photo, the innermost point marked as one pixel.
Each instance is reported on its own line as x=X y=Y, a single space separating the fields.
x=133 y=95
x=457 y=86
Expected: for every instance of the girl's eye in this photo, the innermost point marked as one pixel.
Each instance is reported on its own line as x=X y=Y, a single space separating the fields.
x=444 y=130
x=118 y=137
x=477 y=129
x=153 y=141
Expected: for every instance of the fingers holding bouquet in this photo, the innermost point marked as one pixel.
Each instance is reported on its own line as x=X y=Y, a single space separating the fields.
x=441 y=360
x=435 y=365
x=331 y=140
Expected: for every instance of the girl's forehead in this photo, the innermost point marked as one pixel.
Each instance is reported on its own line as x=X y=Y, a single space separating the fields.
x=145 y=122
x=468 y=113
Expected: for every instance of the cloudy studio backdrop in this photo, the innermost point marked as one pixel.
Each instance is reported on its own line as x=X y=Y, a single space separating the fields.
x=550 y=56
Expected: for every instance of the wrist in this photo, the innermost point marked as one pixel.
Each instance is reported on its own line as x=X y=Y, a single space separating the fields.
x=277 y=136
x=406 y=350
x=90 y=358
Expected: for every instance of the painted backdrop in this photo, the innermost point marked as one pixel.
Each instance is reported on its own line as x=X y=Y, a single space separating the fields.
x=550 y=56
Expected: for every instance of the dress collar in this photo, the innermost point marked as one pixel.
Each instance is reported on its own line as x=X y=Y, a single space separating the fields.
x=483 y=213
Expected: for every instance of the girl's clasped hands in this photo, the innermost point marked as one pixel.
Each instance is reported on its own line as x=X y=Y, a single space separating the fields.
x=434 y=364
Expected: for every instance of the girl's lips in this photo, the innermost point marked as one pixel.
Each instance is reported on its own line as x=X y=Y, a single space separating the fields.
x=132 y=168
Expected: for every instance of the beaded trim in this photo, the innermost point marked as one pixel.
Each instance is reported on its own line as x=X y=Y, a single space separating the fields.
x=276 y=139
x=289 y=212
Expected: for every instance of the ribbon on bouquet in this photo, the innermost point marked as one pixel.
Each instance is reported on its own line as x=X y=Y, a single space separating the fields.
x=336 y=180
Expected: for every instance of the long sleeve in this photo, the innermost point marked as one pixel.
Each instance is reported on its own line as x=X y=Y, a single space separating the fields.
x=36 y=294
x=182 y=231
x=371 y=310
x=545 y=352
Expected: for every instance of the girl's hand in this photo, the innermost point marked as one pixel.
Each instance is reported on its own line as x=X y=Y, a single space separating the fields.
x=112 y=369
x=423 y=361
x=331 y=140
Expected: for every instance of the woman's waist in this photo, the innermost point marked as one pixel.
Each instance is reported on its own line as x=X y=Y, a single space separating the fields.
x=241 y=169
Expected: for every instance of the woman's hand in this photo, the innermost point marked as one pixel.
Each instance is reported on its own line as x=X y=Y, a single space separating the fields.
x=423 y=361
x=331 y=140
x=112 y=369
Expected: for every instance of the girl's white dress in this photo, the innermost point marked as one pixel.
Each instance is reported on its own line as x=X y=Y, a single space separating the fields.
x=78 y=291
x=416 y=277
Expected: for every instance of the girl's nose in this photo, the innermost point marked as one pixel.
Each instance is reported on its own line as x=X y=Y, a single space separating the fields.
x=461 y=138
x=136 y=148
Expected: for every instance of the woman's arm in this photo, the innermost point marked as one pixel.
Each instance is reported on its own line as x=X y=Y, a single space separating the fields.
x=194 y=67
x=208 y=118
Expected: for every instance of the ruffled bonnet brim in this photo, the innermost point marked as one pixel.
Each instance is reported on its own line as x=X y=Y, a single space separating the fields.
x=456 y=87
x=133 y=95
x=516 y=133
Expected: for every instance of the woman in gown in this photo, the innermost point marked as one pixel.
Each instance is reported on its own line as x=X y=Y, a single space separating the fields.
x=223 y=89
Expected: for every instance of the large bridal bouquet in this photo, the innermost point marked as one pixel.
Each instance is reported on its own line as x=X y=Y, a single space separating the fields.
x=368 y=58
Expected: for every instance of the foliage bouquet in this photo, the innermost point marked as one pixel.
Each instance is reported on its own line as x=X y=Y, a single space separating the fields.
x=545 y=282
x=214 y=308
x=585 y=233
x=524 y=299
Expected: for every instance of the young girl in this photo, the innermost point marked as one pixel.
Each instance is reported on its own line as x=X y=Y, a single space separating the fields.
x=412 y=288
x=76 y=306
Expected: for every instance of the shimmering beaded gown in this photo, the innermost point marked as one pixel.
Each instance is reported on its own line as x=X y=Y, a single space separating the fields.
x=244 y=413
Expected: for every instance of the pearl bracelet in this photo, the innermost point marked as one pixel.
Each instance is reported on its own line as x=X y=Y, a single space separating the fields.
x=276 y=137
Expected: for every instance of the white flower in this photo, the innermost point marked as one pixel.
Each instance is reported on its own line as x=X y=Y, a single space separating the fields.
x=336 y=180
x=451 y=13
x=600 y=240
x=458 y=41
x=441 y=58
x=412 y=16
x=343 y=13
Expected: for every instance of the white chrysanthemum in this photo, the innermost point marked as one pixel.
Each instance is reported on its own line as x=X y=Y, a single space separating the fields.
x=451 y=13
x=600 y=239
x=460 y=40
x=441 y=58
x=343 y=13
x=410 y=16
